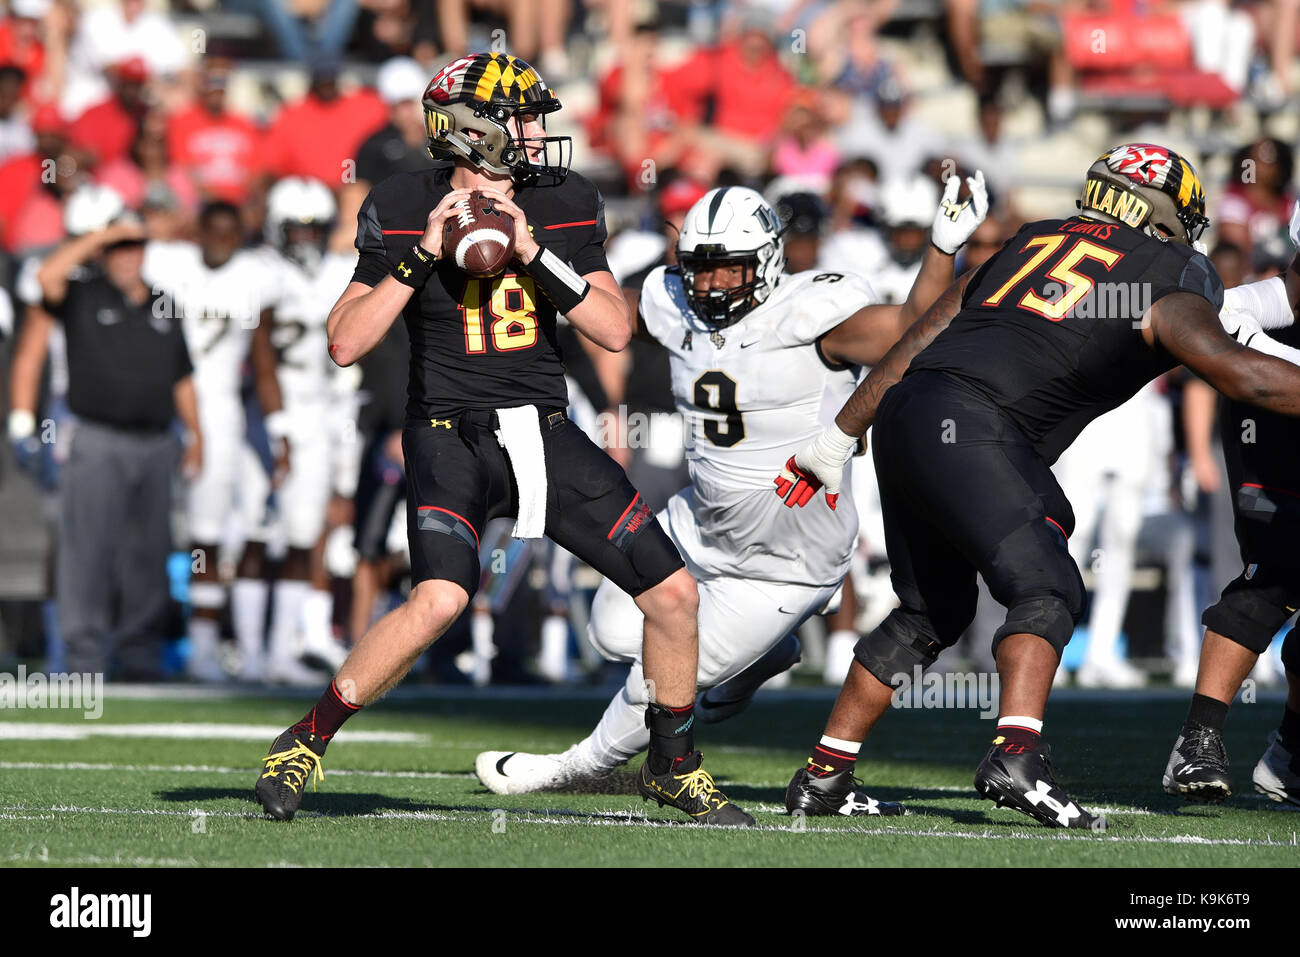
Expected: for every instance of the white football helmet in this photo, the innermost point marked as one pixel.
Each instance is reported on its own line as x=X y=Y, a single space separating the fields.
x=296 y=202
x=90 y=208
x=731 y=224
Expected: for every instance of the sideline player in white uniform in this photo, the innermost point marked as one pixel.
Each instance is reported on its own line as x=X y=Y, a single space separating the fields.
x=300 y=219
x=753 y=352
x=224 y=296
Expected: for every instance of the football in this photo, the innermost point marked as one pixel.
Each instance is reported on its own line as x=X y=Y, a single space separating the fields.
x=480 y=238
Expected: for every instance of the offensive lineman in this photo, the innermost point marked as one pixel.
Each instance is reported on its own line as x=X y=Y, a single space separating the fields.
x=971 y=407
x=486 y=434
x=753 y=353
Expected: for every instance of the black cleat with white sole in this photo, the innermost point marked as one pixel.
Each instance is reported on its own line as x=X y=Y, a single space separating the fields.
x=1198 y=766
x=836 y=793
x=1022 y=778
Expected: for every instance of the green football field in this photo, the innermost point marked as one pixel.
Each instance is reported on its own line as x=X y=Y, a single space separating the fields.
x=164 y=778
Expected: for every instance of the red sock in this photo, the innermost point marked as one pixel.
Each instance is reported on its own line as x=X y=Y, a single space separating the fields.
x=325 y=719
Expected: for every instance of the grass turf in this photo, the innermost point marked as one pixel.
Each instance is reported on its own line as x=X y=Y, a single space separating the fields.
x=125 y=800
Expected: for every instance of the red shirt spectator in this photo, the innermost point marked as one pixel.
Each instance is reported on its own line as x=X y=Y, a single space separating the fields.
x=20 y=176
x=749 y=87
x=106 y=131
x=20 y=45
x=219 y=151
x=315 y=136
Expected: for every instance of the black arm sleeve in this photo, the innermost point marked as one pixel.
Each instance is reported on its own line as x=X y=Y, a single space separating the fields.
x=373 y=264
x=1194 y=273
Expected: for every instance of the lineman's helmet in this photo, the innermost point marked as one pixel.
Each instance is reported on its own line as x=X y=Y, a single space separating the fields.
x=731 y=224
x=1148 y=187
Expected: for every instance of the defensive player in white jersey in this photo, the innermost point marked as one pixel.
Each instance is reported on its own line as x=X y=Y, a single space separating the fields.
x=753 y=353
x=299 y=222
x=224 y=296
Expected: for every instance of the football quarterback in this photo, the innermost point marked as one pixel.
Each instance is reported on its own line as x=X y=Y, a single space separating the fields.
x=486 y=433
x=753 y=354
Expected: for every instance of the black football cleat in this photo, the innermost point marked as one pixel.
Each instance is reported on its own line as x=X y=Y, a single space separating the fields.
x=1198 y=766
x=836 y=793
x=689 y=788
x=285 y=770
x=1023 y=779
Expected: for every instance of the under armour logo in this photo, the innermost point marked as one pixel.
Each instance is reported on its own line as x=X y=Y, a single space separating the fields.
x=1042 y=794
x=686 y=339
x=445 y=423
x=852 y=804
x=404 y=269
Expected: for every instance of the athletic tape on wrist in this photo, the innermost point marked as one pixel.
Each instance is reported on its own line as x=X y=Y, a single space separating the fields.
x=564 y=287
x=415 y=268
x=1266 y=301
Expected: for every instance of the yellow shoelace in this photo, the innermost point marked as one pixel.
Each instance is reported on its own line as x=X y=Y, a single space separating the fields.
x=700 y=784
x=296 y=765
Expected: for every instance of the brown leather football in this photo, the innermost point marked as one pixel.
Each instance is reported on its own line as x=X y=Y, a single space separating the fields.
x=479 y=237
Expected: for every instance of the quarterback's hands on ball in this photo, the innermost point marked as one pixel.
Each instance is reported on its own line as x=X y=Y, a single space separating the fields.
x=431 y=241
x=820 y=464
x=1295 y=224
x=525 y=246
x=956 y=221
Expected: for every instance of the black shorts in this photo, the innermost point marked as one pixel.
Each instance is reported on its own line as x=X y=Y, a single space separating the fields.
x=459 y=477
x=1262 y=453
x=962 y=490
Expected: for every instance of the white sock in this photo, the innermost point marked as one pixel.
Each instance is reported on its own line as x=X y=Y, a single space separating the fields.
x=317 y=613
x=553 y=660
x=248 y=598
x=205 y=634
x=620 y=735
x=839 y=744
x=1022 y=721
x=289 y=595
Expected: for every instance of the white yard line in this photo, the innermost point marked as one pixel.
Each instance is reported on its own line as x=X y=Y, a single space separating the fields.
x=60 y=731
x=211 y=769
x=633 y=819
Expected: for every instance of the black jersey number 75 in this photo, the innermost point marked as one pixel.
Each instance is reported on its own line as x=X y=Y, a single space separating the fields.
x=1071 y=285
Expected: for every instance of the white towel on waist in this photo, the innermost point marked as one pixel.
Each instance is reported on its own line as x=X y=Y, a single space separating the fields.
x=521 y=436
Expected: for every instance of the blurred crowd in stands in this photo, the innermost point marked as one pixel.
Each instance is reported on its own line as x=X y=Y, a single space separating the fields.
x=847 y=114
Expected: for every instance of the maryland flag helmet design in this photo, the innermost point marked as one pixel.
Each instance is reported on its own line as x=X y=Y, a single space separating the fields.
x=475 y=109
x=1148 y=187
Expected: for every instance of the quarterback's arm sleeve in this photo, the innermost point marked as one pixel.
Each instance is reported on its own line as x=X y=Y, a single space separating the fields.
x=372 y=262
x=590 y=256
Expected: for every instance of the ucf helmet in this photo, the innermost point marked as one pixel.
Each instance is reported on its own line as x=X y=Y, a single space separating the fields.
x=1148 y=187
x=731 y=224
x=300 y=213
x=469 y=111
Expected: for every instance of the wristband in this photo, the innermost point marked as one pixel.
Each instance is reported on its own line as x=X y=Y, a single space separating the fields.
x=564 y=287
x=22 y=423
x=415 y=268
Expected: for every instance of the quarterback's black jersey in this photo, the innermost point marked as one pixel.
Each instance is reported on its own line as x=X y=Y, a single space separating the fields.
x=480 y=343
x=1050 y=327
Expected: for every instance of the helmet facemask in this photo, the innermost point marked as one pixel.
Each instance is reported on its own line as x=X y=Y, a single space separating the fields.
x=720 y=308
x=304 y=243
